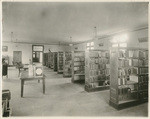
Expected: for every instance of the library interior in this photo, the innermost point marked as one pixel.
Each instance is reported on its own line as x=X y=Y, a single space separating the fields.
x=75 y=59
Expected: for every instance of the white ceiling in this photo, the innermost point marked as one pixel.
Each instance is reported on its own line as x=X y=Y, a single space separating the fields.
x=51 y=22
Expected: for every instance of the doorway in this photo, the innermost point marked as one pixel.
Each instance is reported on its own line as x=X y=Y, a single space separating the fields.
x=37 y=54
x=17 y=57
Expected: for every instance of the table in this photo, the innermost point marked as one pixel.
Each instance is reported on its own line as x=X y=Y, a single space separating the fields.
x=25 y=77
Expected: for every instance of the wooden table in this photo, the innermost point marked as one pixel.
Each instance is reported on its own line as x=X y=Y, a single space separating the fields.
x=25 y=77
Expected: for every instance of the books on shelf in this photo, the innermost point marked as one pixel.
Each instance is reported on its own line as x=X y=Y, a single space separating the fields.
x=78 y=65
x=130 y=67
x=97 y=69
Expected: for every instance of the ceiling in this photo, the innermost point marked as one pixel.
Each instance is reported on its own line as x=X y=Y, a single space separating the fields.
x=54 y=22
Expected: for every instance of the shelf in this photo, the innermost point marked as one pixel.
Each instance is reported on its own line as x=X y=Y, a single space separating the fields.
x=143 y=74
x=79 y=56
x=79 y=61
x=79 y=74
x=143 y=90
x=126 y=101
x=100 y=88
x=125 y=58
x=78 y=65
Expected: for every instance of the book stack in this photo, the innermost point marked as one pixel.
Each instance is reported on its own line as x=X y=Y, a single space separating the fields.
x=98 y=68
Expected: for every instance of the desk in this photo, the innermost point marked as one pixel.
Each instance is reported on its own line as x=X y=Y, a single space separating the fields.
x=25 y=77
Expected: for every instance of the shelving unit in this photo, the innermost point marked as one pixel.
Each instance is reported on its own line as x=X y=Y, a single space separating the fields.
x=97 y=70
x=128 y=77
x=50 y=60
x=67 y=64
x=55 y=60
x=45 y=59
x=78 y=66
x=60 y=62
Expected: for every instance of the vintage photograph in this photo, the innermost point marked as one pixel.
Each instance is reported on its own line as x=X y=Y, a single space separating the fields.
x=74 y=59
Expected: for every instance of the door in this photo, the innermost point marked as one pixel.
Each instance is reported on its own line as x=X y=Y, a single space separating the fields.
x=17 y=57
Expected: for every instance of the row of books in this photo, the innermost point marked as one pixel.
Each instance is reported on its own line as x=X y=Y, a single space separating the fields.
x=60 y=67
x=77 y=77
x=79 y=72
x=122 y=81
x=143 y=78
x=98 y=84
x=99 y=60
x=68 y=56
x=79 y=68
x=98 y=78
x=79 y=59
x=133 y=53
x=143 y=95
x=78 y=63
x=127 y=96
x=143 y=70
x=128 y=71
x=98 y=66
x=100 y=72
x=130 y=62
x=143 y=86
x=79 y=54
x=99 y=54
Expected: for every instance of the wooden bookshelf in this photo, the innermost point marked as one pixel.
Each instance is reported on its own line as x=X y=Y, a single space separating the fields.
x=60 y=62
x=50 y=60
x=55 y=61
x=128 y=77
x=67 y=64
x=78 y=66
x=97 y=70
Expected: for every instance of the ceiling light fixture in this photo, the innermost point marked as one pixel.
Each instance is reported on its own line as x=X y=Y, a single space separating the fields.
x=71 y=42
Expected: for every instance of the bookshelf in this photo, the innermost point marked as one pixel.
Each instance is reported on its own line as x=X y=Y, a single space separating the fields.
x=97 y=70
x=78 y=66
x=128 y=77
x=55 y=61
x=50 y=55
x=45 y=59
x=51 y=60
x=67 y=64
x=60 y=62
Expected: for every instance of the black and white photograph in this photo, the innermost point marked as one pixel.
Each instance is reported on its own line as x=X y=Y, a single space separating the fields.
x=74 y=59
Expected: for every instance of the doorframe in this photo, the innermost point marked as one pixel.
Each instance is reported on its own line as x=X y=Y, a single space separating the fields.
x=38 y=51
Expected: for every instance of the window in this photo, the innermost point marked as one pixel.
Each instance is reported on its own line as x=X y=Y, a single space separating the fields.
x=120 y=41
x=123 y=45
x=119 y=45
x=90 y=45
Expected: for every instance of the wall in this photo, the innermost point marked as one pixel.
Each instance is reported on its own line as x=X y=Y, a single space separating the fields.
x=56 y=48
x=27 y=50
x=132 y=40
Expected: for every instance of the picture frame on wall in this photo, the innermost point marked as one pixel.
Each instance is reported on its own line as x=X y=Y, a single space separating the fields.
x=5 y=48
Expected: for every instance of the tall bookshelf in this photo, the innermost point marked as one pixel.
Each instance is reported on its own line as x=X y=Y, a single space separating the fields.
x=55 y=61
x=67 y=64
x=45 y=58
x=97 y=70
x=60 y=62
x=128 y=77
x=78 y=66
x=50 y=60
